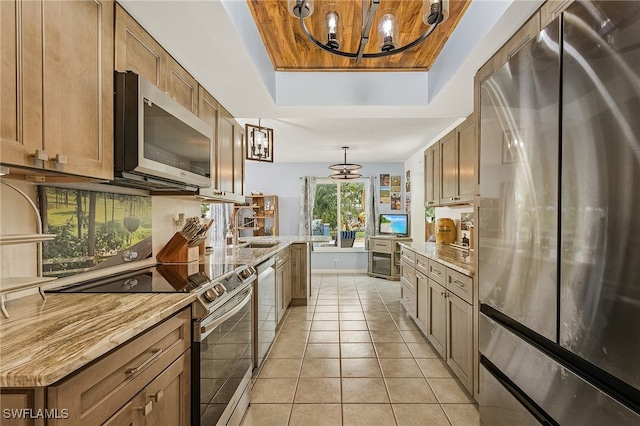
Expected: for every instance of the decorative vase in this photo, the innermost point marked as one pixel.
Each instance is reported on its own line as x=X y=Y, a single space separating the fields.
x=445 y=231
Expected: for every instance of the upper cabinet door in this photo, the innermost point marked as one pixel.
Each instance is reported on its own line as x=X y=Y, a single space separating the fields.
x=78 y=86
x=136 y=50
x=181 y=86
x=238 y=159
x=225 y=151
x=208 y=110
x=21 y=79
x=449 y=156
x=467 y=158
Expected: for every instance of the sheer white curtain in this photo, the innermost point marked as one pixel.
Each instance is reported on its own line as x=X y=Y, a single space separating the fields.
x=371 y=208
x=221 y=214
x=307 y=199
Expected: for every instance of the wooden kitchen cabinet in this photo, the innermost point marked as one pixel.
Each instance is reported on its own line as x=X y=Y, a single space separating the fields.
x=551 y=9
x=422 y=308
x=170 y=394
x=458 y=151
x=299 y=272
x=432 y=175
x=133 y=413
x=238 y=159
x=226 y=129
x=53 y=75
x=208 y=111
x=525 y=33
x=21 y=79
x=408 y=290
x=459 y=341
x=137 y=51
x=283 y=282
x=437 y=317
x=19 y=399
x=450 y=330
x=155 y=363
x=180 y=85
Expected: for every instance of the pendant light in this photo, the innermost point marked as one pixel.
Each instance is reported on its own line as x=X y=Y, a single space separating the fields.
x=345 y=170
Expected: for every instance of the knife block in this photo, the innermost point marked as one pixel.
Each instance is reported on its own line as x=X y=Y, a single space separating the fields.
x=177 y=250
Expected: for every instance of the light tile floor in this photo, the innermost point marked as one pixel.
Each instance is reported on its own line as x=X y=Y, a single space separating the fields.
x=353 y=357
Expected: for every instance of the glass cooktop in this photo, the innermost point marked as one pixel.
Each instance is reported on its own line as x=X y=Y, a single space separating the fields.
x=171 y=278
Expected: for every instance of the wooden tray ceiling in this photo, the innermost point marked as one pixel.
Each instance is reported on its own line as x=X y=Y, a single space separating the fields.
x=290 y=50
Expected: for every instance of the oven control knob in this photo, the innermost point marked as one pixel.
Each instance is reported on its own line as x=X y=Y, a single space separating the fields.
x=210 y=295
x=220 y=289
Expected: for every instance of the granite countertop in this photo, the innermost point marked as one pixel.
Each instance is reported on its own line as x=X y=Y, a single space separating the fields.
x=448 y=256
x=45 y=340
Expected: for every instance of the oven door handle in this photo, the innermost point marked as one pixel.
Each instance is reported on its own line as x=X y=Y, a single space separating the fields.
x=206 y=327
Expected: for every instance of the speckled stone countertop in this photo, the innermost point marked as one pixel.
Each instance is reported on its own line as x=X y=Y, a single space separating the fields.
x=45 y=340
x=448 y=256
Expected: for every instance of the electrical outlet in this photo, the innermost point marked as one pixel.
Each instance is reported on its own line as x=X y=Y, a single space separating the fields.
x=335 y=258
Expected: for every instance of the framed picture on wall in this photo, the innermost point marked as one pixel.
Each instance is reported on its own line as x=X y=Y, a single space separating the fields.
x=396 y=202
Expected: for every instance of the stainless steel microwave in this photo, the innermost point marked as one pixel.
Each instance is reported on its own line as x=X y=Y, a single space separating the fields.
x=159 y=144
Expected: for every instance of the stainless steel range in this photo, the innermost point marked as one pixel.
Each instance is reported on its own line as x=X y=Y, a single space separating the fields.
x=221 y=350
x=221 y=361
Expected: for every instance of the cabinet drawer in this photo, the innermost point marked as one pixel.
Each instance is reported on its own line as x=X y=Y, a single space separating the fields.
x=408 y=277
x=381 y=245
x=460 y=285
x=407 y=256
x=282 y=257
x=102 y=388
x=437 y=272
x=422 y=264
x=408 y=298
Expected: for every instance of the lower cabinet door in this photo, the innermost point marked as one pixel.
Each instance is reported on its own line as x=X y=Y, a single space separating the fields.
x=170 y=394
x=437 y=317
x=460 y=339
x=422 y=308
x=133 y=413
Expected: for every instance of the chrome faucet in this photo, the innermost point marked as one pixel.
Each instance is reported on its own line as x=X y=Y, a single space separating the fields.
x=234 y=220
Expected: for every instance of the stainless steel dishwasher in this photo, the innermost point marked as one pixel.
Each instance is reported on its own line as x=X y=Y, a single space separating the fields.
x=265 y=317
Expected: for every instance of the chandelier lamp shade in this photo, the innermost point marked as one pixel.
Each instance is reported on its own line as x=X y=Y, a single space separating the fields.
x=433 y=13
x=345 y=170
x=259 y=142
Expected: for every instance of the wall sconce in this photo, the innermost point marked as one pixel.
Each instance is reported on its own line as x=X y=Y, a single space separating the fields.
x=259 y=142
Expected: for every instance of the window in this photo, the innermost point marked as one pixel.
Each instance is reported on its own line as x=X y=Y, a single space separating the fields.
x=339 y=212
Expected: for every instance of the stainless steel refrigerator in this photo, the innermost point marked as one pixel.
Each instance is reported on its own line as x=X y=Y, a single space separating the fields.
x=558 y=240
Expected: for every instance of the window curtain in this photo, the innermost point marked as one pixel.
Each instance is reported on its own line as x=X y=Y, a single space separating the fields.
x=221 y=214
x=371 y=208
x=307 y=199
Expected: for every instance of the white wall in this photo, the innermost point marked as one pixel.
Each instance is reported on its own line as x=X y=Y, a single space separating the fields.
x=283 y=180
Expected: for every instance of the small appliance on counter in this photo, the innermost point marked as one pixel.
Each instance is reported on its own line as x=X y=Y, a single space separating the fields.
x=445 y=231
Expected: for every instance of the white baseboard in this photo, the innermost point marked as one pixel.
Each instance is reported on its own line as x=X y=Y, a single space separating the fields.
x=338 y=271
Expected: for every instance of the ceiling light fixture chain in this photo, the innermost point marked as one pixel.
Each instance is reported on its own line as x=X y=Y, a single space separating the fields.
x=345 y=170
x=434 y=13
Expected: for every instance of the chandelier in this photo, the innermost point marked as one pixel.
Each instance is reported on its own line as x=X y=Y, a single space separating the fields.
x=259 y=142
x=433 y=13
x=345 y=170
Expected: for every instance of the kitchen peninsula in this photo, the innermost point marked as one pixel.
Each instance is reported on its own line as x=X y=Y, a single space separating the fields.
x=45 y=341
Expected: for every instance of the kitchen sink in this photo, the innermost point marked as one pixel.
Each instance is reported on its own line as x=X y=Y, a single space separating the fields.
x=261 y=244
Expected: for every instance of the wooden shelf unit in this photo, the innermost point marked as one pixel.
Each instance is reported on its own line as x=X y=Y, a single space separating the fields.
x=264 y=221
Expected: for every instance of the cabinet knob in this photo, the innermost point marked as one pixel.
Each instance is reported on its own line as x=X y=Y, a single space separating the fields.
x=40 y=154
x=148 y=408
x=60 y=159
x=158 y=396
